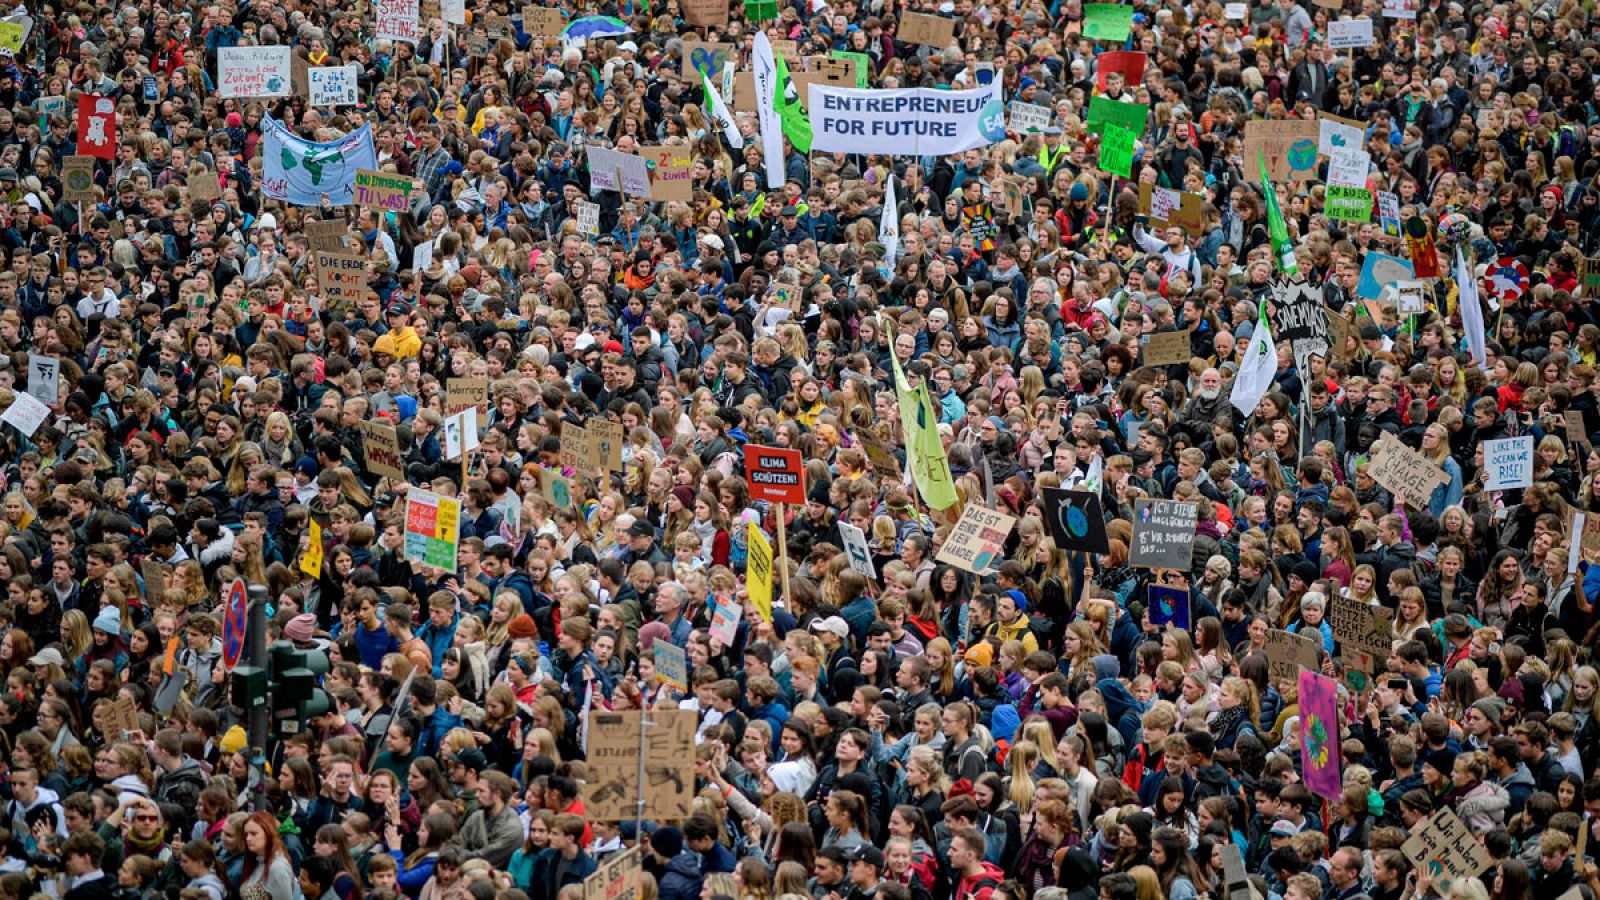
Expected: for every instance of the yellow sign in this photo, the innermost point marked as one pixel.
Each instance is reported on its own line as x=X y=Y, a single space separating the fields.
x=311 y=560
x=11 y=36
x=759 y=577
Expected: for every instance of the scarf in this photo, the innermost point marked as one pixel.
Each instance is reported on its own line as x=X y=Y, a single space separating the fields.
x=1227 y=720
x=151 y=847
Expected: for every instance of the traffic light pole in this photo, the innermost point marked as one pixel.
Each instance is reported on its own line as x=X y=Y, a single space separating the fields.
x=256 y=655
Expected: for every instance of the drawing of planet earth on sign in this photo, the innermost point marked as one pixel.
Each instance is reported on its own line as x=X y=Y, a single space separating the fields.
x=1303 y=155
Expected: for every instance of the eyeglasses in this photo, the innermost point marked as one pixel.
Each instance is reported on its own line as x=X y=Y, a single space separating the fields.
x=146 y=818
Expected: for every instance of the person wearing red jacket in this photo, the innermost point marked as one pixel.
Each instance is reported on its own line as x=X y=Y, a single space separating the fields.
x=977 y=879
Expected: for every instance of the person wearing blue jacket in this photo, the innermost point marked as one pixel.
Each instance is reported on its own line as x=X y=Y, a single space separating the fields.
x=416 y=870
x=439 y=632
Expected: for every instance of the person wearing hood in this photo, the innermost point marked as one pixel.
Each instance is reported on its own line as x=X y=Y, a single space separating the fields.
x=202 y=653
x=1479 y=801
x=212 y=545
x=1133 y=841
x=179 y=780
x=976 y=879
x=677 y=870
x=1122 y=709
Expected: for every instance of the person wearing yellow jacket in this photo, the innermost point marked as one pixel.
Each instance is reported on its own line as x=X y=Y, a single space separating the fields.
x=1011 y=621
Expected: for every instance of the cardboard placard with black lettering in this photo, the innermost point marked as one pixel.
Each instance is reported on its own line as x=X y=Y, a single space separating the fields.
x=1168 y=348
x=1363 y=633
x=928 y=30
x=1404 y=472
x=381 y=450
x=606 y=438
x=1289 y=653
x=977 y=543
x=1447 y=850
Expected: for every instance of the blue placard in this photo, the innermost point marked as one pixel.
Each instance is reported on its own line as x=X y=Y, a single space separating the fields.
x=1169 y=606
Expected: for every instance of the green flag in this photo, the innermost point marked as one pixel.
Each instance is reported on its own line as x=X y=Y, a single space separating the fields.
x=919 y=426
x=796 y=124
x=1282 y=247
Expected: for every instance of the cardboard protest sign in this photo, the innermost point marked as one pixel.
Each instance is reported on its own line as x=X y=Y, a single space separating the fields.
x=930 y=31
x=669 y=172
x=1168 y=348
x=618 y=877
x=1508 y=463
x=342 y=277
x=1589 y=273
x=1288 y=654
x=399 y=20
x=977 y=543
x=574 y=446
x=1168 y=606
x=606 y=437
x=465 y=393
x=77 y=177
x=666 y=737
x=1289 y=148
x=1359 y=628
x=381 y=450
x=1404 y=472
x=672 y=665
x=1163 y=534
x=1235 y=879
x=1576 y=432
x=382 y=190
x=1447 y=850
x=1028 y=117
x=1076 y=520
x=555 y=488
x=326 y=234
x=543 y=21
x=118 y=717
x=775 y=474
x=202 y=184
x=1338 y=336
x=701 y=13
x=1167 y=207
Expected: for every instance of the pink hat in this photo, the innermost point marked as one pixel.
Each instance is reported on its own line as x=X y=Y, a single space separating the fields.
x=301 y=628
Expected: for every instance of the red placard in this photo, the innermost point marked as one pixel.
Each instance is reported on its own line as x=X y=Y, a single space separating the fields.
x=1128 y=62
x=97 y=126
x=775 y=474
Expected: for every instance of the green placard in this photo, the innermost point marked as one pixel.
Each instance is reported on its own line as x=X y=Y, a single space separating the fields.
x=1103 y=110
x=1352 y=204
x=760 y=10
x=863 y=64
x=1116 y=151
x=1107 y=21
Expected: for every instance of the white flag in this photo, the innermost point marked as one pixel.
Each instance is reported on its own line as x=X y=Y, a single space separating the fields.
x=1260 y=366
x=889 y=224
x=720 y=115
x=765 y=75
x=1471 y=309
x=1095 y=481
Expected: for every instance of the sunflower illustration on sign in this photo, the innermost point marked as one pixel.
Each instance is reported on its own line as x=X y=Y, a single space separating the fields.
x=1316 y=737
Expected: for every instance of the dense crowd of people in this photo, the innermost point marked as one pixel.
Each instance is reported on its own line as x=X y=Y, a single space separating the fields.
x=923 y=732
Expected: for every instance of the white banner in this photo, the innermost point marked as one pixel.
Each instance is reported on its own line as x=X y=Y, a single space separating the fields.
x=1349 y=34
x=1333 y=134
x=913 y=122
x=399 y=20
x=1349 y=166
x=764 y=75
x=245 y=72
x=332 y=85
x=613 y=170
x=1029 y=117
x=453 y=11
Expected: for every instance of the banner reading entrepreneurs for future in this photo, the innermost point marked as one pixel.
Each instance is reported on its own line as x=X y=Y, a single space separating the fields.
x=912 y=122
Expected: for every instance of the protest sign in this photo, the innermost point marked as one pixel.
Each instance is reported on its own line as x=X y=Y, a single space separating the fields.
x=1335 y=132
x=398 y=20
x=1349 y=34
x=1129 y=64
x=1300 y=319
x=668 y=170
x=305 y=173
x=758 y=569
x=1288 y=654
x=77 y=178
x=1446 y=849
x=1508 y=463
x=919 y=121
x=977 y=543
x=1236 y=12
x=613 y=170
x=1349 y=166
x=588 y=218
x=380 y=449
x=202 y=183
x=1116 y=151
x=1589 y=273
x=342 y=277
x=1289 y=148
x=120 y=717
x=466 y=393
x=97 y=126
x=1103 y=111
x=607 y=438
x=857 y=552
x=1076 y=520
x=862 y=65
x=1389 y=213
x=775 y=474
x=250 y=72
x=453 y=12
x=619 y=876
x=326 y=234
x=11 y=36
x=574 y=446
x=1167 y=207
x=1380 y=269
x=724 y=621
x=332 y=85
x=1399 y=9
x=1359 y=628
x=433 y=528
x=544 y=21
x=1163 y=534
x=701 y=57
x=1319 y=734
x=1348 y=203
x=1168 y=606
x=672 y=664
x=1407 y=474
x=1107 y=21
x=1235 y=878
x=1577 y=432
x=311 y=560
x=1168 y=348
x=382 y=190
x=613 y=791
x=555 y=488
x=1028 y=117
x=44 y=379
x=930 y=31
x=703 y=13
x=1338 y=336
x=1419 y=241
x=1411 y=297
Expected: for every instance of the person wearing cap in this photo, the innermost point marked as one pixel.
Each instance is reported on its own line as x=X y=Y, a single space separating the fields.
x=866 y=869
x=834 y=633
x=398 y=319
